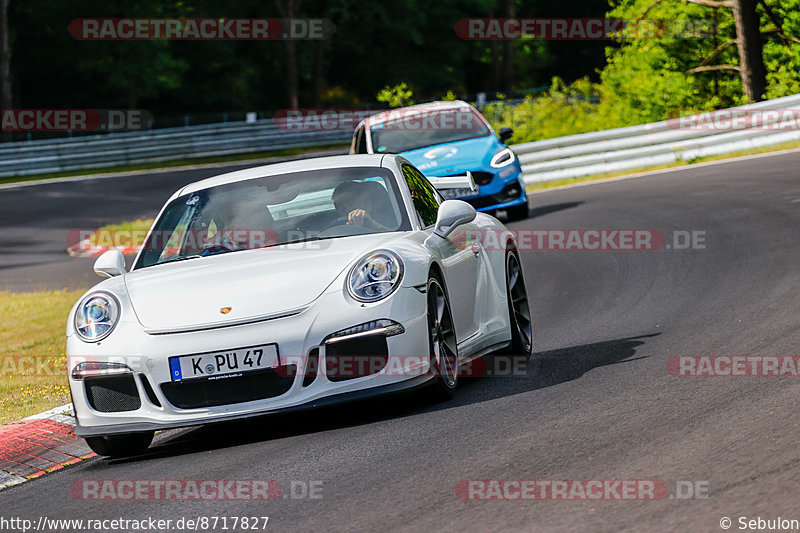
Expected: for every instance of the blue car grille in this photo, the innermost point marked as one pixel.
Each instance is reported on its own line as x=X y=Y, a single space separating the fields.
x=509 y=192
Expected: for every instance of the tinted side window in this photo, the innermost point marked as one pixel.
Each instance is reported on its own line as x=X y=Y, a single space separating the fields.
x=362 y=143
x=426 y=202
x=355 y=143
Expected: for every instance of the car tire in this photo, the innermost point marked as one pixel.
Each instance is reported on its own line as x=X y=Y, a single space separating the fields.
x=121 y=445
x=441 y=342
x=519 y=313
x=517 y=212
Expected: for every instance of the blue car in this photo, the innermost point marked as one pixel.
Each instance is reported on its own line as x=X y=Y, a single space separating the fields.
x=449 y=139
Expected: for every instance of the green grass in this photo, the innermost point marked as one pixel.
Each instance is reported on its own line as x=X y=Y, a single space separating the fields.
x=531 y=187
x=234 y=158
x=33 y=360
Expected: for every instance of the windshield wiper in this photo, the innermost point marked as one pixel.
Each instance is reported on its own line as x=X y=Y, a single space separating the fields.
x=182 y=258
x=271 y=245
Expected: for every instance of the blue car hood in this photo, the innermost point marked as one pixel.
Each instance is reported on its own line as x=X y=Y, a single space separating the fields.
x=453 y=158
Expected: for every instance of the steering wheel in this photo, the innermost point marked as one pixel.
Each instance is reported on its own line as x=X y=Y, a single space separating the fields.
x=340 y=228
x=338 y=221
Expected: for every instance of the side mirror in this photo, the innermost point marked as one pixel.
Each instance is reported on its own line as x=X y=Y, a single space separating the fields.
x=452 y=213
x=110 y=264
x=505 y=134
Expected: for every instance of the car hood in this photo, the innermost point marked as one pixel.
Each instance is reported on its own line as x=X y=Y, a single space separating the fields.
x=255 y=284
x=453 y=158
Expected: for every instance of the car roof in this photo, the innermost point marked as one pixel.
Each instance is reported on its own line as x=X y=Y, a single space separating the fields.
x=439 y=105
x=316 y=163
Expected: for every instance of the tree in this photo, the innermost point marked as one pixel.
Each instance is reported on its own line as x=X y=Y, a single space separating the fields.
x=744 y=53
x=6 y=97
x=751 y=52
x=398 y=96
x=56 y=70
x=508 y=51
x=5 y=57
x=748 y=42
x=288 y=9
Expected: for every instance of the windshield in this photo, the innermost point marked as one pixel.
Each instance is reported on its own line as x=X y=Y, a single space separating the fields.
x=275 y=210
x=425 y=128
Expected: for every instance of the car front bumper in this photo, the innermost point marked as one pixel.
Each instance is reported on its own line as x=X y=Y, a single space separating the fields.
x=502 y=192
x=297 y=336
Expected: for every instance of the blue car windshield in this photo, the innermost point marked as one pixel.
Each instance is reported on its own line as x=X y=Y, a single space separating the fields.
x=418 y=129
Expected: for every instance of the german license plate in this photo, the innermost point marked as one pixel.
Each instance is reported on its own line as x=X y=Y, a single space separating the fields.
x=223 y=364
x=459 y=192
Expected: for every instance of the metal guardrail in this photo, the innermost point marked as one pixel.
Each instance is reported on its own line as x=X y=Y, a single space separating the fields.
x=96 y=151
x=167 y=144
x=597 y=152
x=657 y=143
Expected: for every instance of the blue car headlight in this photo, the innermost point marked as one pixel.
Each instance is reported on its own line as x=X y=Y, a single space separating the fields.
x=503 y=158
x=96 y=316
x=375 y=276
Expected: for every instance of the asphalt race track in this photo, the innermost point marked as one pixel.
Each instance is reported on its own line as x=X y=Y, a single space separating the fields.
x=598 y=403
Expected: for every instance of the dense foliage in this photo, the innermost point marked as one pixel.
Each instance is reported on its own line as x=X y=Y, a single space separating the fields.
x=376 y=45
x=385 y=53
x=647 y=80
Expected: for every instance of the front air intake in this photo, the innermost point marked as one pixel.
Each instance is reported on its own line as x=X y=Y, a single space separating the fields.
x=356 y=358
x=247 y=387
x=112 y=394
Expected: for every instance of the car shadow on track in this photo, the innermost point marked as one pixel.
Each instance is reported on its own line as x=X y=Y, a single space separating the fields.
x=540 y=211
x=552 y=208
x=545 y=369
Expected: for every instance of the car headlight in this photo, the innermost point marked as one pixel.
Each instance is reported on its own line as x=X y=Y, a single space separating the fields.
x=375 y=276
x=503 y=158
x=96 y=316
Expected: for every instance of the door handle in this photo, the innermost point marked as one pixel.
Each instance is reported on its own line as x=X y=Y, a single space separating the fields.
x=476 y=248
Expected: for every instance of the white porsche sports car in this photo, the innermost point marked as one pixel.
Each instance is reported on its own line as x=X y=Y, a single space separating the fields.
x=292 y=286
